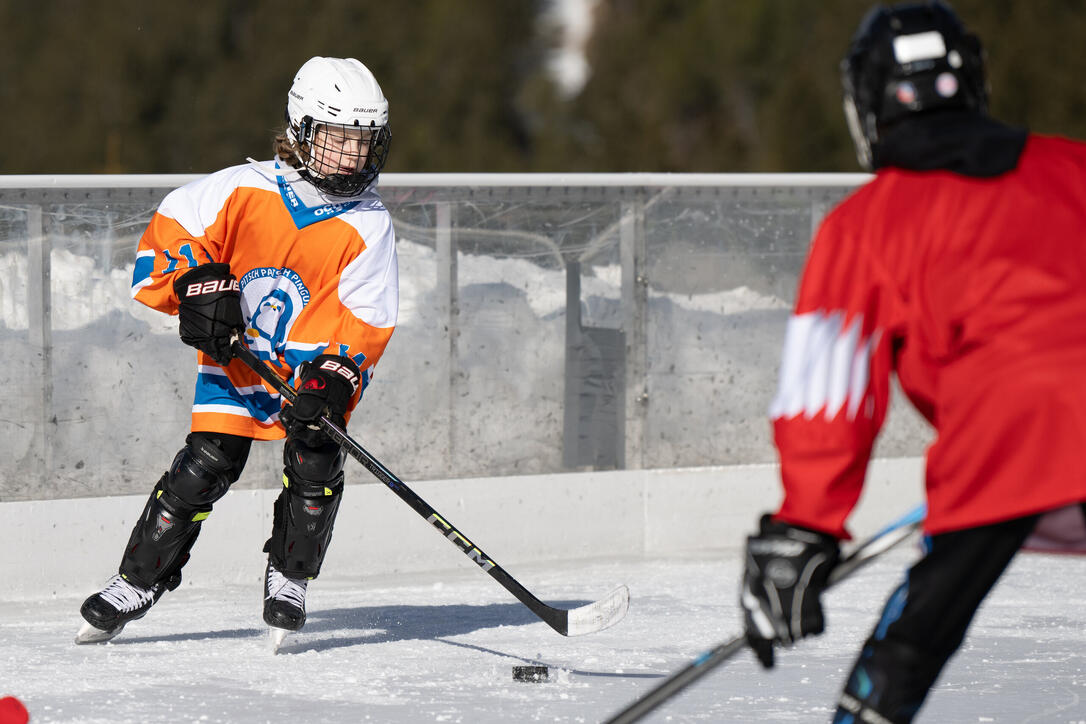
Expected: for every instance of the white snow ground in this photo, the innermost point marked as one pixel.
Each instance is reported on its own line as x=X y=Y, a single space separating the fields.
x=440 y=648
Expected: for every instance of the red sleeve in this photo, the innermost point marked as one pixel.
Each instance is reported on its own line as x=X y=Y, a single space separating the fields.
x=834 y=383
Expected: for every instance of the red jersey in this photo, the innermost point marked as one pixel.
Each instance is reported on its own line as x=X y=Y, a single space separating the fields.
x=973 y=292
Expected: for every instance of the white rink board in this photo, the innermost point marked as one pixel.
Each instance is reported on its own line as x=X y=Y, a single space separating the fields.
x=72 y=546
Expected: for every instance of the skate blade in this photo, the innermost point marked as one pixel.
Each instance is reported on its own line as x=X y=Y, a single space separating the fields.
x=89 y=634
x=275 y=638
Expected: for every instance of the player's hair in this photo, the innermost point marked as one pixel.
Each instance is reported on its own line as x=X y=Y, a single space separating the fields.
x=284 y=148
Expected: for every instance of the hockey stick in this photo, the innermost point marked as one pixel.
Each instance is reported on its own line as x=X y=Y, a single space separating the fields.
x=586 y=619
x=863 y=554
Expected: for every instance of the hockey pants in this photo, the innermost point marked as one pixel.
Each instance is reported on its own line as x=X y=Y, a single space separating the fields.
x=925 y=621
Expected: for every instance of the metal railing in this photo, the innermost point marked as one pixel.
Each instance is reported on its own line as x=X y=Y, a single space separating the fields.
x=548 y=322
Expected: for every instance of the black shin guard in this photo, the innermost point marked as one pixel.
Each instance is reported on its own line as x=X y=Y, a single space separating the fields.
x=201 y=474
x=305 y=511
x=160 y=541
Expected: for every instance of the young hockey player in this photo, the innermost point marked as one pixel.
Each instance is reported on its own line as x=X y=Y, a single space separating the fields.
x=961 y=268
x=296 y=258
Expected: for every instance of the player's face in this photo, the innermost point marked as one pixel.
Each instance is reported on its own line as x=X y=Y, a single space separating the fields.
x=341 y=149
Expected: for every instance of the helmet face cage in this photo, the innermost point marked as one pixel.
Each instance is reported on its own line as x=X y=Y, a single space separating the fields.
x=340 y=159
x=905 y=60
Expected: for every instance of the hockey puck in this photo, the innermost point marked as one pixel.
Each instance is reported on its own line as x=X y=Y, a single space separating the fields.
x=530 y=673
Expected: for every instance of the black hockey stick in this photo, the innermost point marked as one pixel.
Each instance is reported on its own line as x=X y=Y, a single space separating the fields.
x=863 y=554
x=586 y=619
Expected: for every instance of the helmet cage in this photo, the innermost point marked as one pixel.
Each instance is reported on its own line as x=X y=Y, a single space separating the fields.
x=905 y=60
x=340 y=159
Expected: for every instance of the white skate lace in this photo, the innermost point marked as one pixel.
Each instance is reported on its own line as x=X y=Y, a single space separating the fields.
x=124 y=596
x=281 y=588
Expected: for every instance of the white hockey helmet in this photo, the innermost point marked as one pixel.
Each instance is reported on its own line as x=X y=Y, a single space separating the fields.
x=334 y=100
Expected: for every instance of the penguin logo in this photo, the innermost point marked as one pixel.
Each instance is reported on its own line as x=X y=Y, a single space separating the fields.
x=272 y=299
x=272 y=316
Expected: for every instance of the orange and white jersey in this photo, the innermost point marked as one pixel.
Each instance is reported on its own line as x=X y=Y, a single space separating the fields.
x=317 y=274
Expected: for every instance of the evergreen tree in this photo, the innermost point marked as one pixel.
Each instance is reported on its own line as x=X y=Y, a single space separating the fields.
x=675 y=85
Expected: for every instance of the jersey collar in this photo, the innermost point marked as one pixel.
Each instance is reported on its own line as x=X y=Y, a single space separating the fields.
x=303 y=214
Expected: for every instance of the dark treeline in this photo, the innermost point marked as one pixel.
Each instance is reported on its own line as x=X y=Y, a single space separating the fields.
x=131 y=86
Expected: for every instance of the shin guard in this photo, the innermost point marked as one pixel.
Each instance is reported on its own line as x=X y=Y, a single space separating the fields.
x=306 y=509
x=159 y=546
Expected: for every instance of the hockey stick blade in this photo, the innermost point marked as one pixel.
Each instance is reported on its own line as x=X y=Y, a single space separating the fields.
x=861 y=555
x=589 y=618
x=604 y=613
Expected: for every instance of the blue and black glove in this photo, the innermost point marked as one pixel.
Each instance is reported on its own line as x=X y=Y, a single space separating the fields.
x=787 y=569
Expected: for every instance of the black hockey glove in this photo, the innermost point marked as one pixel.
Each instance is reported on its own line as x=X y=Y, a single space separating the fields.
x=325 y=387
x=209 y=310
x=787 y=568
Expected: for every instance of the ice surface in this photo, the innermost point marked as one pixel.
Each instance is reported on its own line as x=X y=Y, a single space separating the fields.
x=440 y=648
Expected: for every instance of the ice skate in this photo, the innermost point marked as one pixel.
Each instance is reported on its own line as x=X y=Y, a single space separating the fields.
x=107 y=611
x=284 y=605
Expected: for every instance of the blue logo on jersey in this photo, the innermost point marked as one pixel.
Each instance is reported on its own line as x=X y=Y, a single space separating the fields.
x=272 y=299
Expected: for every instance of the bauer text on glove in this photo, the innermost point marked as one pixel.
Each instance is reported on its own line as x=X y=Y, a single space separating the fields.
x=209 y=310
x=325 y=388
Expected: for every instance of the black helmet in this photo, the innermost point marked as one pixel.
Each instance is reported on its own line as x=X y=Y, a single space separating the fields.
x=907 y=59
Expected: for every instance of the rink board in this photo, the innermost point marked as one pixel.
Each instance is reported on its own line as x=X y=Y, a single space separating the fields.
x=73 y=545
